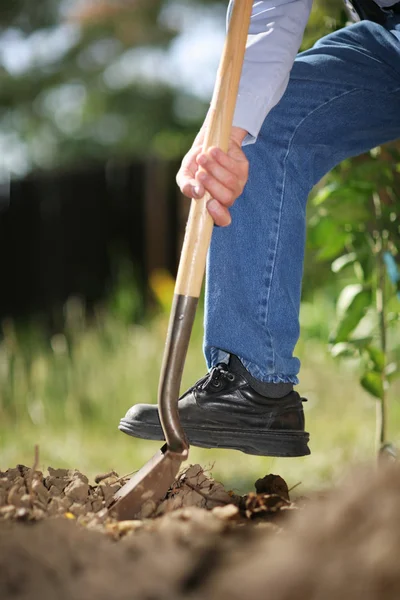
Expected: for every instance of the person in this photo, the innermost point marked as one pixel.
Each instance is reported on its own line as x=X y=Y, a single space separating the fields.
x=295 y=119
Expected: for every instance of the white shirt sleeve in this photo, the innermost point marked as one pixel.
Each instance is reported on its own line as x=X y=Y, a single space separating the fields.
x=275 y=34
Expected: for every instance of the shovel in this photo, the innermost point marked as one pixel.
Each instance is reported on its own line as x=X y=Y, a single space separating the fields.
x=151 y=483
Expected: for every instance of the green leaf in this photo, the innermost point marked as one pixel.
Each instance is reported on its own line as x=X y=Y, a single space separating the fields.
x=377 y=357
x=371 y=381
x=343 y=349
x=357 y=301
x=360 y=343
x=321 y=229
x=366 y=266
x=324 y=193
x=346 y=297
x=350 y=207
x=343 y=261
x=326 y=236
x=333 y=246
x=362 y=247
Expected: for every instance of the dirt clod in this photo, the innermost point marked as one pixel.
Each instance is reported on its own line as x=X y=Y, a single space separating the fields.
x=40 y=491
x=272 y=484
x=103 y=476
x=77 y=490
x=227 y=512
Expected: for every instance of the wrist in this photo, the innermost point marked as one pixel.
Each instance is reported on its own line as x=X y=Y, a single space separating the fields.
x=238 y=134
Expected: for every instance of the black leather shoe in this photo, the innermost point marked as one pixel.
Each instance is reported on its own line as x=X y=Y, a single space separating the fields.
x=222 y=410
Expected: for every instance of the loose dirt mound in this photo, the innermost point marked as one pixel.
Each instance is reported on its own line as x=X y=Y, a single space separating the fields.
x=27 y=495
x=345 y=545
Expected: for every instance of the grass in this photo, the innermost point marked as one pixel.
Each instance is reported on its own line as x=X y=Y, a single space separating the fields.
x=68 y=395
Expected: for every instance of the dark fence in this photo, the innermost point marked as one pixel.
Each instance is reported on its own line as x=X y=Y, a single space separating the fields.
x=61 y=233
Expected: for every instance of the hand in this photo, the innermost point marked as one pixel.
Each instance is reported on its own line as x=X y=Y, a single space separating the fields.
x=222 y=175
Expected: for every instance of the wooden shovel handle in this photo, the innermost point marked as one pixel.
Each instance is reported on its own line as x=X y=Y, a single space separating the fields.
x=198 y=234
x=200 y=223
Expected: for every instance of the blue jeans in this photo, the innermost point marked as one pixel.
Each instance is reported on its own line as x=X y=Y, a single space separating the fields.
x=343 y=99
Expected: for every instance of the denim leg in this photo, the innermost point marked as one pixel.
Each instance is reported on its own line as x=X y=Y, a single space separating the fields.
x=343 y=99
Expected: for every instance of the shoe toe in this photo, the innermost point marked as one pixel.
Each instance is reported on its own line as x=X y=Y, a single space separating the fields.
x=146 y=414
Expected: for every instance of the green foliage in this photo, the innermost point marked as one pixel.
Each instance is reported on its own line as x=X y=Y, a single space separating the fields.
x=357 y=301
x=89 y=84
x=355 y=226
x=86 y=80
x=372 y=382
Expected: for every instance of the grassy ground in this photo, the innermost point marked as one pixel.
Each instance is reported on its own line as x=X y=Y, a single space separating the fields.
x=68 y=397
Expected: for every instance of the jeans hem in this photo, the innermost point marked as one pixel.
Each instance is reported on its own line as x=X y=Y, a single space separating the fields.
x=256 y=372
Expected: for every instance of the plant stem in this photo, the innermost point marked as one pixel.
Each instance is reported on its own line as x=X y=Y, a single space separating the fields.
x=381 y=407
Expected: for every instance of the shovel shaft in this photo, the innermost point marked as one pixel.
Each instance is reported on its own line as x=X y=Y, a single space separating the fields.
x=200 y=224
x=199 y=229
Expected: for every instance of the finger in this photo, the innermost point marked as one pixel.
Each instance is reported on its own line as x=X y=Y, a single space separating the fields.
x=233 y=161
x=189 y=186
x=219 y=213
x=227 y=178
x=216 y=189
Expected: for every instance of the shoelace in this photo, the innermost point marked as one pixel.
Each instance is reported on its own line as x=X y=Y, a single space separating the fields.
x=214 y=377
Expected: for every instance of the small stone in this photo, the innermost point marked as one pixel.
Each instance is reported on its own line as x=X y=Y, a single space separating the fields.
x=114 y=489
x=126 y=526
x=15 y=494
x=75 y=474
x=38 y=513
x=23 y=469
x=7 y=512
x=96 y=493
x=69 y=515
x=102 y=515
x=17 y=481
x=78 y=509
x=59 y=505
x=40 y=491
x=227 y=512
x=109 y=491
x=55 y=492
x=5 y=483
x=22 y=514
x=77 y=490
x=12 y=474
x=106 y=476
x=97 y=505
x=272 y=484
x=58 y=473
x=122 y=528
x=56 y=482
x=25 y=501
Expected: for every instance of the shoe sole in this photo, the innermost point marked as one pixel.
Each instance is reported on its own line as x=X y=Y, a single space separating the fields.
x=283 y=443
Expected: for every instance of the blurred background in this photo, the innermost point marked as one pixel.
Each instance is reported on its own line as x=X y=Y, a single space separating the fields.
x=99 y=101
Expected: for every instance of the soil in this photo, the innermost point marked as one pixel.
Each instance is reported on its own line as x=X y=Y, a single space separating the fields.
x=59 y=541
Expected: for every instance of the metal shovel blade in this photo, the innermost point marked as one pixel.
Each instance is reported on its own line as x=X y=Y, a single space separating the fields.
x=148 y=486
